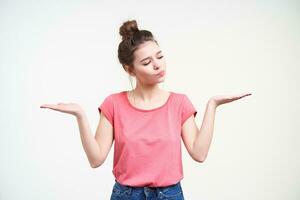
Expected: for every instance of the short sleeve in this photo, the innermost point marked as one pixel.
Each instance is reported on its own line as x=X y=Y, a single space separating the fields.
x=187 y=109
x=108 y=109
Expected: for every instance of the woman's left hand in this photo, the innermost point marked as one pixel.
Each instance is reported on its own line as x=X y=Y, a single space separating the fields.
x=222 y=99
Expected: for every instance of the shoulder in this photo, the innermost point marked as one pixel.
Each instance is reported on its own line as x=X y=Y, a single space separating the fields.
x=110 y=99
x=182 y=99
x=115 y=95
x=179 y=95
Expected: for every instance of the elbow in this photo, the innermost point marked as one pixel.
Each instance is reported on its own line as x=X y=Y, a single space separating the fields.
x=200 y=159
x=96 y=164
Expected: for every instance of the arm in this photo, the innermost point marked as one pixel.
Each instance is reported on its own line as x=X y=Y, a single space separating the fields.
x=96 y=148
x=88 y=141
x=204 y=135
x=198 y=141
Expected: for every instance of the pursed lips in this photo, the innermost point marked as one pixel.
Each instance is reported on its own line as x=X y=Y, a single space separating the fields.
x=160 y=73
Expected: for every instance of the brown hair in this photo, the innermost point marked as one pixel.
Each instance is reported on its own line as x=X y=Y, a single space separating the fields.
x=132 y=37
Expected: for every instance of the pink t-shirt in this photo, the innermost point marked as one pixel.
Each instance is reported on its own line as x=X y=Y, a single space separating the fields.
x=147 y=143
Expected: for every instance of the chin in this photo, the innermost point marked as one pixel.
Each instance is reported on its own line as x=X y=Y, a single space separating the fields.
x=163 y=80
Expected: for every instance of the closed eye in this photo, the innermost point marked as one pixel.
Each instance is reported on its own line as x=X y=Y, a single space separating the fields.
x=150 y=61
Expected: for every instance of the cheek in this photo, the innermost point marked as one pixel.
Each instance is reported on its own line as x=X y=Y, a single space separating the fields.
x=146 y=74
x=144 y=70
x=162 y=62
x=140 y=74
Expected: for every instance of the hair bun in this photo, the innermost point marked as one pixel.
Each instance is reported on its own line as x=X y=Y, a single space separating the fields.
x=128 y=28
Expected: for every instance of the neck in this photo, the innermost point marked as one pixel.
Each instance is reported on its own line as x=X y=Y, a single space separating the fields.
x=146 y=92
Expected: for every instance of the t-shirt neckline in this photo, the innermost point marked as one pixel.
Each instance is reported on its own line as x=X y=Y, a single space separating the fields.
x=146 y=110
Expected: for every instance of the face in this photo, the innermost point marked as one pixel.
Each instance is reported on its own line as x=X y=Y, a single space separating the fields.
x=148 y=64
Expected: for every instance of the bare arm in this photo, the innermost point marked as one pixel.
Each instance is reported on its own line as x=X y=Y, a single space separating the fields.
x=204 y=135
x=88 y=141
x=96 y=147
x=197 y=141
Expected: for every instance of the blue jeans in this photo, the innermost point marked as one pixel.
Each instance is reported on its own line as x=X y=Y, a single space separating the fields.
x=124 y=192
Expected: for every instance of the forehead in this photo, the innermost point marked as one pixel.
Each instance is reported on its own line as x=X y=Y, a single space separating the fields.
x=148 y=48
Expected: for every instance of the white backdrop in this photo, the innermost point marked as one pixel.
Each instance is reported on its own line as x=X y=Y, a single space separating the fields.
x=66 y=51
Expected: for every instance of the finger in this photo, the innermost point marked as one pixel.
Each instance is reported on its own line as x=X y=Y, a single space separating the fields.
x=243 y=95
x=247 y=94
x=236 y=97
x=51 y=106
x=46 y=105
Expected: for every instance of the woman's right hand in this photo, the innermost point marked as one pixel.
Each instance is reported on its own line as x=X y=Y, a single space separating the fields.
x=71 y=108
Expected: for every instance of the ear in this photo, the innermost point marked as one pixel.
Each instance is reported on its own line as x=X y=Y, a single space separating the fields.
x=129 y=70
x=132 y=73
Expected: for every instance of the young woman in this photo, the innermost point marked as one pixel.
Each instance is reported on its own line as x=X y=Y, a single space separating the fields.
x=146 y=123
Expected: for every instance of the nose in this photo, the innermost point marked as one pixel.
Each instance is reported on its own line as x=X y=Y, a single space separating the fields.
x=156 y=65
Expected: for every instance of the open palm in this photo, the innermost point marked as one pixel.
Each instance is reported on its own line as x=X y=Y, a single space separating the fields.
x=222 y=99
x=71 y=108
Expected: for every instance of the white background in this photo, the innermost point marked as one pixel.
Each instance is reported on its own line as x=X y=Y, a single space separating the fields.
x=66 y=51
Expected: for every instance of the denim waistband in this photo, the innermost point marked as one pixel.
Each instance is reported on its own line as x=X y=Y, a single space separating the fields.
x=164 y=188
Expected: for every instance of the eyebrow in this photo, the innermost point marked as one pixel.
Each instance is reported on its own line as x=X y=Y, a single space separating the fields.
x=149 y=57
